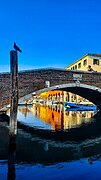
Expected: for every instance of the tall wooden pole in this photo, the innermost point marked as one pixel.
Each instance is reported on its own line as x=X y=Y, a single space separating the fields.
x=14 y=91
x=13 y=114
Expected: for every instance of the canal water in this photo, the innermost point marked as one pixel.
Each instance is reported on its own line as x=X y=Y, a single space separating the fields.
x=52 y=143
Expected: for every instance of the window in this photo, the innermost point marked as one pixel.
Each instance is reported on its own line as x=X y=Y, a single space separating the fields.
x=79 y=65
x=75 y=66
x=85 y=62
x=96 y=61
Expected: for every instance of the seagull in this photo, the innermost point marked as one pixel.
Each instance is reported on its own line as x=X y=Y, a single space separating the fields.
x=16 y=47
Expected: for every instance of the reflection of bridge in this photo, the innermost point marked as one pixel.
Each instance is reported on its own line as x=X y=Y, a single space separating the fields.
x=33 y=150
x=85 y=84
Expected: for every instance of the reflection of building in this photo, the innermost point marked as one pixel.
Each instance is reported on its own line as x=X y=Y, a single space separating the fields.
x=52 y=115
x=76 y=118
x=24 y=111
x=59 y=118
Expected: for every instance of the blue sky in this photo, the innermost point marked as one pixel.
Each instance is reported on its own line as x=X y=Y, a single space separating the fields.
x=51 y=33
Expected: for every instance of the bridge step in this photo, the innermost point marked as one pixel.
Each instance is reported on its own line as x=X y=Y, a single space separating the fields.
x=3 y=110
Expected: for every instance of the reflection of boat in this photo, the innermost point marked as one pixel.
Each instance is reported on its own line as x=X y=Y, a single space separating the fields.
x=77 y=107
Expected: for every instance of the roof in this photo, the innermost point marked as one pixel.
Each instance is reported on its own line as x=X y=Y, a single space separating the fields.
x=97 y=55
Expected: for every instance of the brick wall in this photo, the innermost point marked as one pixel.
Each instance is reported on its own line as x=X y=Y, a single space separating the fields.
x=33 y=80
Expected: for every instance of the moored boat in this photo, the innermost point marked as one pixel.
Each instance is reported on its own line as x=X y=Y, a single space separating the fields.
x=74 y=106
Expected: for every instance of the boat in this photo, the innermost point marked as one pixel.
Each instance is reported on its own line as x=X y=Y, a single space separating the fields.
x=25 y=104
x=87 y=108
x=73 y=106
x=68 y=104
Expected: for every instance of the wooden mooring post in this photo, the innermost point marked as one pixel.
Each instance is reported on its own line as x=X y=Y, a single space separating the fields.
x=14 y=92
x=13 y=114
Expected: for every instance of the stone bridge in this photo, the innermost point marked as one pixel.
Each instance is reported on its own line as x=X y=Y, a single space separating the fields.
x=85 y=84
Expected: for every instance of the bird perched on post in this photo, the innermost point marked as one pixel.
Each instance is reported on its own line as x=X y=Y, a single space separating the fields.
x=16 y=47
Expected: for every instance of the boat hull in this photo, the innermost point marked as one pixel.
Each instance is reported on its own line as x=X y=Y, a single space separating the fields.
x=79 y=107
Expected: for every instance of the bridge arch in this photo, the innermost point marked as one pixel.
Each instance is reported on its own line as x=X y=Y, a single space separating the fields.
x=92 y=93
x=34 y=80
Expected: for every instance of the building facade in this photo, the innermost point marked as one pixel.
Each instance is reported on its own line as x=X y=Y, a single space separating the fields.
x=94 y=60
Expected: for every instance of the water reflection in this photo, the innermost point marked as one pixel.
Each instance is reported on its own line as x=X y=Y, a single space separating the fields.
x=11 y=158
x=31 y=150
x=53 y=117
